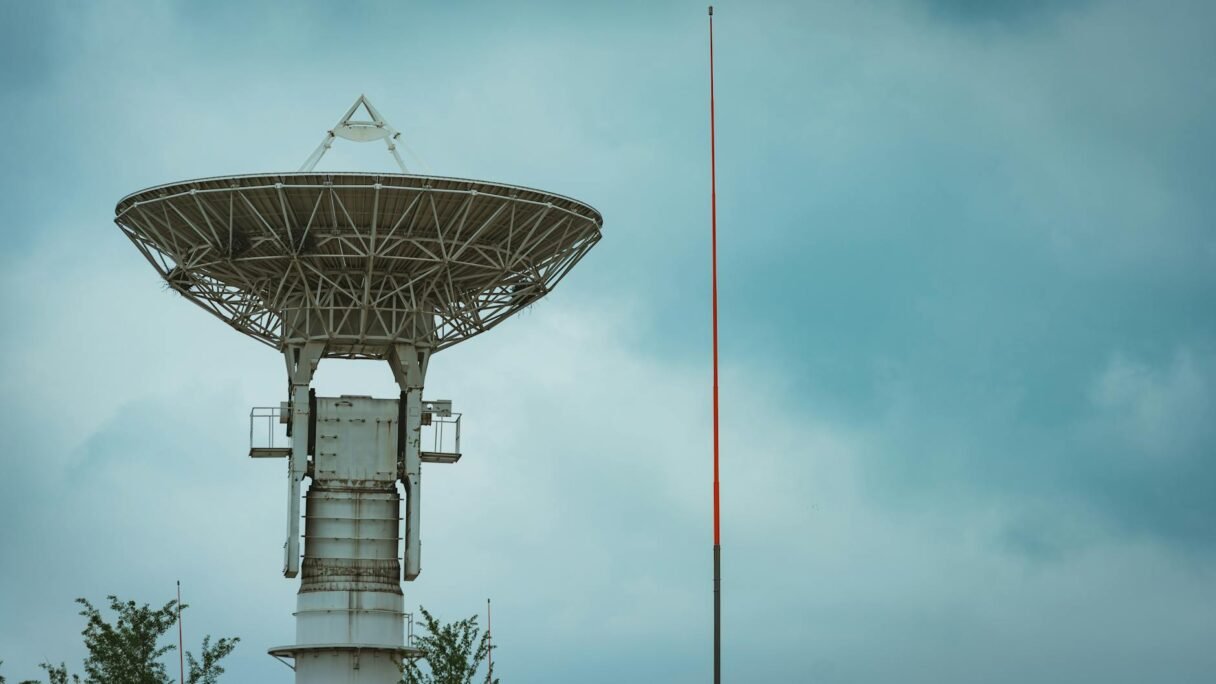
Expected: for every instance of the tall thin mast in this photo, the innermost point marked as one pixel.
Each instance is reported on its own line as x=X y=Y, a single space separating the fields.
x=713 y=212
x=181 y=654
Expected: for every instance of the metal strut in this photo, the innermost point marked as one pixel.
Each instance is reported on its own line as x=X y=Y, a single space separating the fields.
x=359 y=131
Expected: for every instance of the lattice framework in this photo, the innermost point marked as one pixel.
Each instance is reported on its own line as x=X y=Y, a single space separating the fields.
x=360 y=261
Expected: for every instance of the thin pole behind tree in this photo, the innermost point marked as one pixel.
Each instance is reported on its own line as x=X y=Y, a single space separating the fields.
x=181 y=651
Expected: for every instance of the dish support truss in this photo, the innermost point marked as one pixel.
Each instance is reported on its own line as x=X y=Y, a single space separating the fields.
x=359 y=131
x=360 y=262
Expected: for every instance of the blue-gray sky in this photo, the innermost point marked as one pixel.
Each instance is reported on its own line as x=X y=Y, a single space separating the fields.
x=969 y=354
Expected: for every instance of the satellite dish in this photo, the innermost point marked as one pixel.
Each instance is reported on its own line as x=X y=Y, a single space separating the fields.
x=358 y=261
x=362 y=266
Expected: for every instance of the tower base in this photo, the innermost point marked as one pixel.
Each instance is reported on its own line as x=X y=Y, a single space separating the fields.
x=346 y=663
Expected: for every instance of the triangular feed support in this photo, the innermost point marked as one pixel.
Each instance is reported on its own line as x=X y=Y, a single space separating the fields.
x=359 y=131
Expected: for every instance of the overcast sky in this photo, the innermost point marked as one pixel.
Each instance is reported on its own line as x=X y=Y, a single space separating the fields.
x=968 y=273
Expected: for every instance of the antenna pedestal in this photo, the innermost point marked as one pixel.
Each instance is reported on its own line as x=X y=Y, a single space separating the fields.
x=350 y=609
x=350 y=617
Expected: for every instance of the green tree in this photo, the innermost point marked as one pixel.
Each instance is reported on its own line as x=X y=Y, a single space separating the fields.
x=55 y=674
x=27 y=681
x=452 y=652
x=207 y=670
x=129 y=650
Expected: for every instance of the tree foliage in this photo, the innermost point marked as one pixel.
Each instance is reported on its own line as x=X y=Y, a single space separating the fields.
x=207 y=670
x=129 y=649
x=453 y=652
x=32 y=681
x=55 y=674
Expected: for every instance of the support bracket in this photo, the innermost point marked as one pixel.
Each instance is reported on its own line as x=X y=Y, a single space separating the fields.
x=301 y=364
x=409 y=368
x=359 y=131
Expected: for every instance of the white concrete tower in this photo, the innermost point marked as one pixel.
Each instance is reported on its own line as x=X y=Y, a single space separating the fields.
x=391 y=267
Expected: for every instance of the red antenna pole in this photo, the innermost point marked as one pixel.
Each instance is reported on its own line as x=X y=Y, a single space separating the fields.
x=713 y=212
x=181 y=655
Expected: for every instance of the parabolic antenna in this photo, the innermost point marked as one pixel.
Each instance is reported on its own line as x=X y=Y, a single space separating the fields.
x=358 y=261
x=356 y=265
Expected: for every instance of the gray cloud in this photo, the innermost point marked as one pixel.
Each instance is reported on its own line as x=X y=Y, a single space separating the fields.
x=1018 y=13
x=968 y=370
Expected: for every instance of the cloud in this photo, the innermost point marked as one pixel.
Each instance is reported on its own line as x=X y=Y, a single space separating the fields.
x=1150 y=438
x=1017 y=13
x=967 y=363
x=1159 y=413
x=581 y=507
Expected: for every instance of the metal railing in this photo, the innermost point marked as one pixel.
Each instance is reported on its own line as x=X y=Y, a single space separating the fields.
x=441 y=434
x=268 y=428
